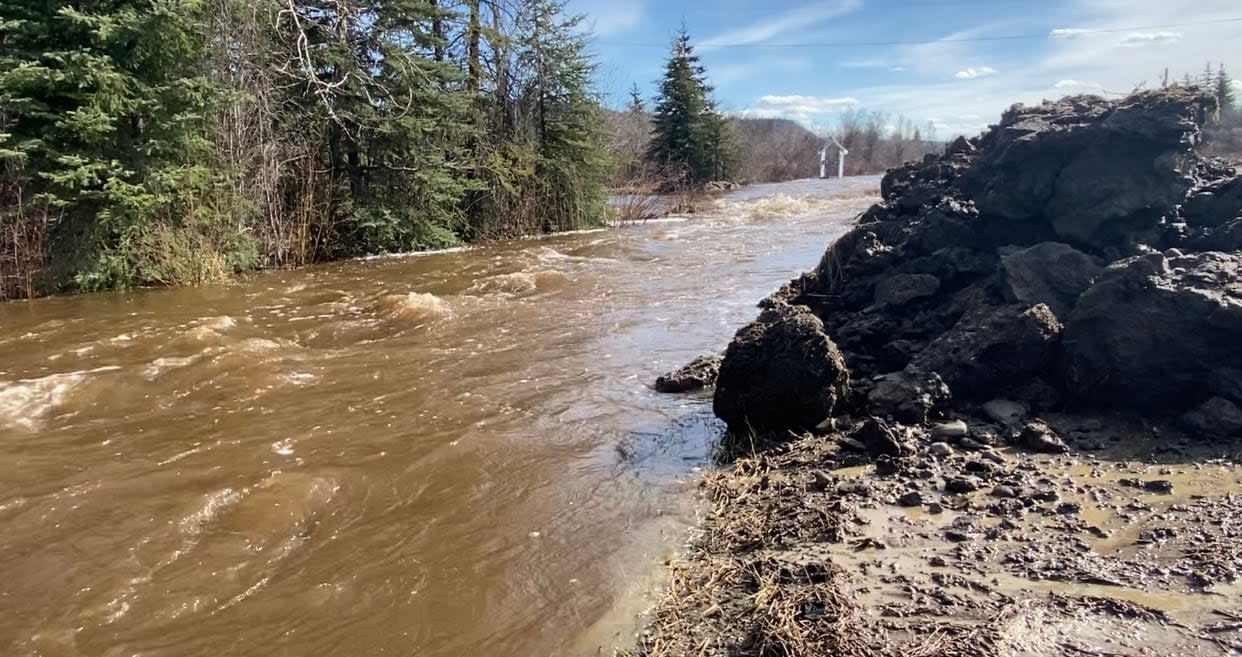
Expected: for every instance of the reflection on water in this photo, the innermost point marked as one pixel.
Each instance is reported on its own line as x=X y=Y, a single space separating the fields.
x=449 y=454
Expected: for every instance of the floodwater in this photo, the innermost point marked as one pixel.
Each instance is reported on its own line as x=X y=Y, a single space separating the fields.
x=435 y=455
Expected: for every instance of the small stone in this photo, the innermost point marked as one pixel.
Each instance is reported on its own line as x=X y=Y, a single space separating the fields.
x=1069 y=508
x=851 y=444
x=935 y=508
x=1048 y=495
x=911 y=499
x=1004 y=411
x=886 y=465
x=940 y=450
x=924 y=473
x=971 y=445
x=1162 y=486
x=1004 y=492
x=1039 y=437
x=819 y=482
x=993 y=456
x=937 y=562
x=962 y=485
x=955 y=429
x=700 y=373
x=956 y=536
x=856 y=488
x=986 y=437
x=984 y=468
x=879 y=439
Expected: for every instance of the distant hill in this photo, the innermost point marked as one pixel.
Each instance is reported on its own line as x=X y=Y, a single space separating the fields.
x=773 y=150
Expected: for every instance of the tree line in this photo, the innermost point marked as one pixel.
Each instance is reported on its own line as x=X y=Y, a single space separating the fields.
x=181 y=141
x=684 y=140
x=1223 y=134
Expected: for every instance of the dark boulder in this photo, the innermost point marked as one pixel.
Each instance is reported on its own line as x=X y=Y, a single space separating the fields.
x=780 y=372
x=949 y=224
x=1155 y=332
x=910 y=397
x=1214 y=205
x=1050 y=273
x=1039 y=437
x=1215 y=418
x=992 y=347
x=960 y=146
x=1226 y=237
x=880 y=439
x=901 y=290
x=1090 y=168
x=698 y=374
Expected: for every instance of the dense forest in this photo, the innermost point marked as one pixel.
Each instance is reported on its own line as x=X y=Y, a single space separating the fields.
x=180 y=141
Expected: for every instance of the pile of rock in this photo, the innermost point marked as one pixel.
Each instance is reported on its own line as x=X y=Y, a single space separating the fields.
x=1079 y=254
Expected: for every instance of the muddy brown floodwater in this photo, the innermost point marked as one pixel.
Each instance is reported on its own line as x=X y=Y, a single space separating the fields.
x=449 y=454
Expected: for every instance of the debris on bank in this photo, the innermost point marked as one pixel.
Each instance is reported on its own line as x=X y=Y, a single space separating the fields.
x=1001 y=415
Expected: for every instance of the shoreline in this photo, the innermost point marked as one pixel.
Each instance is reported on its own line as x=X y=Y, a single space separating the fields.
x=1000 y=417
x=811 y=549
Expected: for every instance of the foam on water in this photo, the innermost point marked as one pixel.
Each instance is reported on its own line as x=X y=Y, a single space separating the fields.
x=158 y=367
x=780 y=206
x=414 y=308
x=520 y=283
x=26 y=403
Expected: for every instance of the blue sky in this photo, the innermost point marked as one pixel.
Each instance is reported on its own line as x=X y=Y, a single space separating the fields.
x=956 y=63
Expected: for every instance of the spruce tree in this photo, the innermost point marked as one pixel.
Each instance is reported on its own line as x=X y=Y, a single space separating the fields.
x=691 y=139
x=636 y=105
x=1225 y=95
x=104 y=110
x=571 y=144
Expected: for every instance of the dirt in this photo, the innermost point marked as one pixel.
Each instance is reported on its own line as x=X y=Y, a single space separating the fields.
x=1079 y=256
x=1130 y=544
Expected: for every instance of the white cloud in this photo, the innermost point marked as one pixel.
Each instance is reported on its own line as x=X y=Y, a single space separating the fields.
x=795 y=22
x=609 y=17
x=897 y=69
x=1078 y=85
x=1090 y=59
x=801 y=108
x=974 y=73
x=1151 y=38
x=1067 y=33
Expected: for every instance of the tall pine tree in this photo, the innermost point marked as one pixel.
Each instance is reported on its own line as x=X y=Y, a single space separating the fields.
x=571 y=144
x=690 y=139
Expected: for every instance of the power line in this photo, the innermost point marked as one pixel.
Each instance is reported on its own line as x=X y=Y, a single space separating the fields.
x=856 y=44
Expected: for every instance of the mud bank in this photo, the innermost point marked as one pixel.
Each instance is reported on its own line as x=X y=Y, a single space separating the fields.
x=1001 y=417
x=1130 y=545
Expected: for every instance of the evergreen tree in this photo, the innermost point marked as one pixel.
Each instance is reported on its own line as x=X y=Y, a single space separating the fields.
x=572 y=161
x=1225 y=95
x=691 y=139
x=104 y=113
x=177 y=141
x=636 y=104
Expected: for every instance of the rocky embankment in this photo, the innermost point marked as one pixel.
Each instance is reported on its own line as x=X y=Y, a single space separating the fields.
x=999 y=417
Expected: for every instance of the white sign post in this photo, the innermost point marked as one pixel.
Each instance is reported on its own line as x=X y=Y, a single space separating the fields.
x=823 y=158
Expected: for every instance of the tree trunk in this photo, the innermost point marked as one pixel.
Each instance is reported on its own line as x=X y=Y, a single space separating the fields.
x=474 y=72
x=437 y=30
